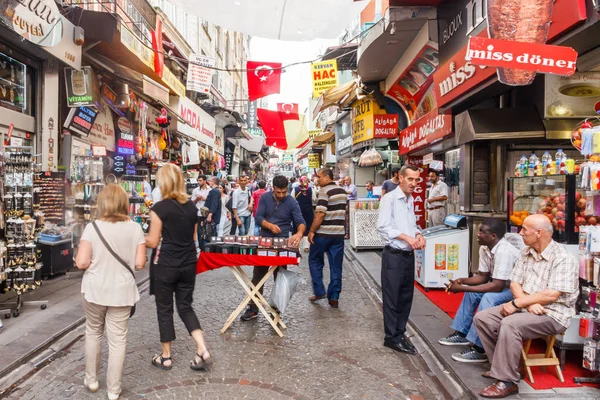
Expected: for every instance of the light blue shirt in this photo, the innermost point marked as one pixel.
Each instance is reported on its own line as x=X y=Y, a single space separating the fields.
x=353 y=195
x=396 y=217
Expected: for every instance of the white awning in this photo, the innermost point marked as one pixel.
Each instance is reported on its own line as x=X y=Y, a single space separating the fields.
x=297 y=20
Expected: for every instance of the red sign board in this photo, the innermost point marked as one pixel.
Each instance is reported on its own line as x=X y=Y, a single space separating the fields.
x=458 y=76
x=512 y=58
x=427 y=130
x=386 y=126
x=412 y=85
x=420 y=190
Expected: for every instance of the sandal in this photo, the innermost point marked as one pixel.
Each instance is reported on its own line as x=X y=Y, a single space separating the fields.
x=159 y=362
x=203 y=364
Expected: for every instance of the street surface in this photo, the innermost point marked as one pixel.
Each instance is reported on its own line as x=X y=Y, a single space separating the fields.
x=325 y=354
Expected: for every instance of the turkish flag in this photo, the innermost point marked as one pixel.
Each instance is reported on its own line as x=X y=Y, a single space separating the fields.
x=283 y=131
x=263 y=79
x=288 y=108
x=157 y=46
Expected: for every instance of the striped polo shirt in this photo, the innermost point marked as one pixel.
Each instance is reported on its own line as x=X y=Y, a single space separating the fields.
x=332 y=201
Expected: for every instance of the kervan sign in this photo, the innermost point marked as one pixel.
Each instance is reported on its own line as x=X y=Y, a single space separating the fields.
x=198 y=123
x=427 y=130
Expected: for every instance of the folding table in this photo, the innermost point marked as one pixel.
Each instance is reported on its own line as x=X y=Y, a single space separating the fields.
x=210 y=261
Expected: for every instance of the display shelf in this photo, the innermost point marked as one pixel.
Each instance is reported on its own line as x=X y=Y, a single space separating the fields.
x=363 y=225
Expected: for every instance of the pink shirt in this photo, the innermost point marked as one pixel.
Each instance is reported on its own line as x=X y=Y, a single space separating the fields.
x=256 y=197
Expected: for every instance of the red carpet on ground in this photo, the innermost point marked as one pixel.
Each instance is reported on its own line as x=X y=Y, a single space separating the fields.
x=547 y=379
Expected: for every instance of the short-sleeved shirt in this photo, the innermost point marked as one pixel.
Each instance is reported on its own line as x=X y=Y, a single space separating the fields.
x=555 y=269
x=256 y=197
x=389 y=186
x=106 y=282
x=241 y=201
x=353 y=191
x=197 y=192
x=178 y=248
x=498 y=261
x=332 y=201
x=438 y=190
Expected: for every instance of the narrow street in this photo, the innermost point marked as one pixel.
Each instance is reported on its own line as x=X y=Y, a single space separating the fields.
x=325 y=354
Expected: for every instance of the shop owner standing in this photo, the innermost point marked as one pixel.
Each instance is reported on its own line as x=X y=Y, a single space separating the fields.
x=397 y=225
x=437 y=200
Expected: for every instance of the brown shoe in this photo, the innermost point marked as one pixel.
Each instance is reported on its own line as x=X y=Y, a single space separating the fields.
x=499 y=390
x=487 y=374
x=315 y=298
x=334 y=303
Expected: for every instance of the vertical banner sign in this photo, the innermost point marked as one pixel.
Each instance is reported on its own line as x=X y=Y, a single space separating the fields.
x=199 y=77
x=252 y=119
x=50 y=116
x=229 y=150
x=419 y=192
x=324 y=76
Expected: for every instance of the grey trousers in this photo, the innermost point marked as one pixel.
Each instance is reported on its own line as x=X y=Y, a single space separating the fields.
x=502 y=338
x=436 y=217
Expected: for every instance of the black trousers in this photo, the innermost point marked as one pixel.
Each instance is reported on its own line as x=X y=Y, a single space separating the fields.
x=179 y=281
x=257 y=274
x=397 y=284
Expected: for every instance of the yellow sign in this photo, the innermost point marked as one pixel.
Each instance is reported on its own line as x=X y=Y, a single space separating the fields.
x=314 y=160
x=363 y=119
x=324 y=76
x=314 y=133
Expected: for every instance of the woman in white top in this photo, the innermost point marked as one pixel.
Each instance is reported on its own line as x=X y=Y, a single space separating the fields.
x=225 y=224
x=109 y=290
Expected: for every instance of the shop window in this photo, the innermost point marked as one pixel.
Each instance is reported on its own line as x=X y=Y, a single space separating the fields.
x=15 y=85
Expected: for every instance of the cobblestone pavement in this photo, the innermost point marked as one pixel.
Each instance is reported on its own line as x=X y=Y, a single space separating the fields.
x=326 y=353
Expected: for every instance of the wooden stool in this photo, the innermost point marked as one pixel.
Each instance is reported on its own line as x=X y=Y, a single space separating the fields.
x=541 y=359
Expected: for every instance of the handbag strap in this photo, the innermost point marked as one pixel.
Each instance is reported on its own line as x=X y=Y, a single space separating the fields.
x=119 y=259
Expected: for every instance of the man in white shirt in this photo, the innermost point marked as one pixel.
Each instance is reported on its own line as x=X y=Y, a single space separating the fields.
x=397 y=226
x=242 y=205
x=200 y=193
x=487 y=289
x=437 y=199
x=156 y=194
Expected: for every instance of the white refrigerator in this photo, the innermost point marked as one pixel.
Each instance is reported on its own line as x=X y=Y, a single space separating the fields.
x=446 y=255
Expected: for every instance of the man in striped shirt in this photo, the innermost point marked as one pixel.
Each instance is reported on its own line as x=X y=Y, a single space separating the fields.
x=327 y=235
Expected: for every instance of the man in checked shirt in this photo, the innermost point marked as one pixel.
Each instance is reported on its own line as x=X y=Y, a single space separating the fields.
x=545 y=286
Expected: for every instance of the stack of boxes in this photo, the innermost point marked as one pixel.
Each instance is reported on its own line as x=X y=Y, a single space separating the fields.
x=252 y=245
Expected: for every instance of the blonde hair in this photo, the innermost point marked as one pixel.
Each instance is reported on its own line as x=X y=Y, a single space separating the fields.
x=171 y=183
x=113 y=204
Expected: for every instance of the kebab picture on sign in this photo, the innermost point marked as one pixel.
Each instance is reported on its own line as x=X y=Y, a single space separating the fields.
x=518 y=31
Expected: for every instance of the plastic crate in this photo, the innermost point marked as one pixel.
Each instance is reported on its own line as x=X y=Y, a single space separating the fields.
x=50 y=238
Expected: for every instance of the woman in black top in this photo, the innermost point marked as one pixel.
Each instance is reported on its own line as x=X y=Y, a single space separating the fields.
x=175 y=219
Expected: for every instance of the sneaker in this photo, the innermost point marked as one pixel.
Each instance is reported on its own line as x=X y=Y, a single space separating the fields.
x=470 y=356
x=249 y=314
x=454 y=340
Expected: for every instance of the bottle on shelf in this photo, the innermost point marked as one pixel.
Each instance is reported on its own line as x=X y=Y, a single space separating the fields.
x=523 y=165
x=560 y=158
x=532 y=161
x=518 y=169
x=546 y=159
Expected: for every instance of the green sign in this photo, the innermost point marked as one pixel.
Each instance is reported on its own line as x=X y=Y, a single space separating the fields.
x=256 y=131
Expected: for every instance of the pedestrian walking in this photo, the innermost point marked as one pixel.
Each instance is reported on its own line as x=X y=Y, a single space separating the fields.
x=397 y=226
x=242 y=206
x=327 y=236
x=109 y=250
x=304 y=196
x=225 y=224
x=174 y=218
x=212 y=211
x=392 y=183
x=256 y=195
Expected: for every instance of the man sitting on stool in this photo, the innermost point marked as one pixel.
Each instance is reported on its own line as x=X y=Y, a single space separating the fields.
x=487 y=289
x=545 y=284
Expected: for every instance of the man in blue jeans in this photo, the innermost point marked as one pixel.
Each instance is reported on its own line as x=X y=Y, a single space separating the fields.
x=242 y=205
x=491 y=287
x=327 y=236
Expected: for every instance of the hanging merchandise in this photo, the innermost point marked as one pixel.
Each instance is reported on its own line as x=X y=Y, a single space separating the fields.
x=370 y=158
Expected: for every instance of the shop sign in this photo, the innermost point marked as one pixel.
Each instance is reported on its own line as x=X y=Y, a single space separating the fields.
x=427 y=130
x=198 y=123
x=420 y=190
x=314 y=160
x=343 y=137
x=324 y=76
x=413 y=84
x=458 y=20
x=38 y=21
x=155 y=90
x=288 y=159
x=119 y=165
x=256 y=132
x=81 y=120
x=110 y=97
x=67 y=50
x=386 y=126
x=313 y=133
x=518 y=56
x=362 y=119
x=427 y=158
x=173 y=82
x=82 y=88
x=125 y=142
x=103 y=129
x=576 y=96
x=229 y=152
x=252 y=119
x=199 y=76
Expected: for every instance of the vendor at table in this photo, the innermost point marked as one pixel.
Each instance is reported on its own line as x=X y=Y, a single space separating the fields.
x=276 y=212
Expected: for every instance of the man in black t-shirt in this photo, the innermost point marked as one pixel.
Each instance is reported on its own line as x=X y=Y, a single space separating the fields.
x=213 y=204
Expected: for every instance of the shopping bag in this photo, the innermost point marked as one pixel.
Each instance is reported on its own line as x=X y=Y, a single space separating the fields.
x=284 y=288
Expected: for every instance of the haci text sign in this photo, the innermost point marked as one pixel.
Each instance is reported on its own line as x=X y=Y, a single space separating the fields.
x=512 y=58
x=324 y=76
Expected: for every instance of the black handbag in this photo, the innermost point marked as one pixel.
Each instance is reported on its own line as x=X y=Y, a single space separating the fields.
x=119 y=259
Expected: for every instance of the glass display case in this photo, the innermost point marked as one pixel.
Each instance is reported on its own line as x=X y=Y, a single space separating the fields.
x=556 y=196
x=13 y=84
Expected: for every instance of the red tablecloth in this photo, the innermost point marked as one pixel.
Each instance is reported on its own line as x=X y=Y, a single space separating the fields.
x=210 y=261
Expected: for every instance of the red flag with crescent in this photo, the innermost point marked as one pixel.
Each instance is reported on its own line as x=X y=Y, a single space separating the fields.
x=283 y=131
x=289 y=109
x=264 y=78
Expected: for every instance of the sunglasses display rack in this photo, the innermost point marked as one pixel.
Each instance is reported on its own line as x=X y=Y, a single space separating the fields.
x=86 y=175
x=139 y=206
x=19 y=224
